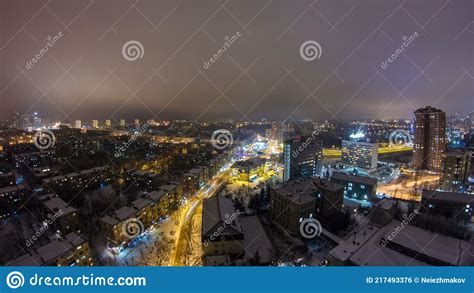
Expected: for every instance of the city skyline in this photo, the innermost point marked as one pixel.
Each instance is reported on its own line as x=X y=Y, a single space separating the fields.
x=269 y=133
x=84 y=75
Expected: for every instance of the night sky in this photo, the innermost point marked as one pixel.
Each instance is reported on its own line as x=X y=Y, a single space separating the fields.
x=84 y=75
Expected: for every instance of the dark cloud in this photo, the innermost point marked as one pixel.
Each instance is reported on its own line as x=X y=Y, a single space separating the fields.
x=261 y=74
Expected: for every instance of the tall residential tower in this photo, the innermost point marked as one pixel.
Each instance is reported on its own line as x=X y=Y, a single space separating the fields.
x=430 y=139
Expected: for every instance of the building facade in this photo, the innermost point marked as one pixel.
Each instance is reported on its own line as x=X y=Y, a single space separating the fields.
x=356 y=187
x=292 y=202
x=430 y=139
x=455 y=169
x=360 y=154
x=301 y=157
x=448 y=204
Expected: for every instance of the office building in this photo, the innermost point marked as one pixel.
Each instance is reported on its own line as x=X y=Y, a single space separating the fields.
x=108 y=123
x=95 y=123
x=356 y=187
x=248 y=170
x=360 y=154
x=301 y=157
x=295 y=200
x=430 y=139
x=122 y=122
x=329 y=197
x=292 y=202
x=455 y=168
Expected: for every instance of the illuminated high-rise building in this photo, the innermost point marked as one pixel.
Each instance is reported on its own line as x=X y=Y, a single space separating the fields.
x=455 y=168
x=95 y=123
x=137 y=122
x=430 y=139
x=122 y=122
x=77 y=124
x=360 y=154
x=108 y=123
x=301 y=157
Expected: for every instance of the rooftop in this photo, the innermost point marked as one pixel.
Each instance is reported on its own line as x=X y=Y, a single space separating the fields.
x=354 y=178
x=462 y=198
x=13 y=188
x=298 y=191
x=218 y=213
x=447 y=249
x=256 y=241
x=55 y=204
x=249 y=164
x=168 y=187
x=327 y=185
x=427 y=110
x=141 y=203
x=156 y=195
x=49 y=252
